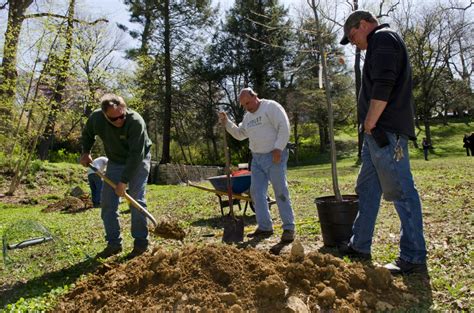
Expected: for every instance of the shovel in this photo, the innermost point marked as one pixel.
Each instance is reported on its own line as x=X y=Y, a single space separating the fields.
x=233 y=226
x=127 y=196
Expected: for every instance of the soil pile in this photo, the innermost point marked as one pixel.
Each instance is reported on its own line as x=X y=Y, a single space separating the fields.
x=70 y=204
x=224 y=278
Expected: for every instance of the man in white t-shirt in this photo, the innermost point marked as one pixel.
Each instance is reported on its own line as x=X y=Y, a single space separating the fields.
x=266 y=125
x=95 y=182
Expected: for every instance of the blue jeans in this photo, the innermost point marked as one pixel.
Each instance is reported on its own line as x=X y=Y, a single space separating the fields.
x=382 y=174
x=110 y=202
x=264 y=170
x=95 y=183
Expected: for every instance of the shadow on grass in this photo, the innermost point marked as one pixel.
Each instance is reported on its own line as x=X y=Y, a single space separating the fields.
x=217 y=221
x=47 y=282
x=419 y=285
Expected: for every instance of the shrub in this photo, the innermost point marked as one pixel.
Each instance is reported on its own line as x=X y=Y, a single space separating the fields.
x=63 y=156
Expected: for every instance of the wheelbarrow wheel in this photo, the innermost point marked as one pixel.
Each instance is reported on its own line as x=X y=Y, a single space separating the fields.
x=269 y=200
x=252 y=207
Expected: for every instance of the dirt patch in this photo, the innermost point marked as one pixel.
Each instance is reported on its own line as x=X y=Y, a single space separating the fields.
x=70 y=204
x=220 y=277
x=169 y=230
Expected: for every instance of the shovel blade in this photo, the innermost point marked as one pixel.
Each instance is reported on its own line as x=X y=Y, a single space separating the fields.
x=233 y=229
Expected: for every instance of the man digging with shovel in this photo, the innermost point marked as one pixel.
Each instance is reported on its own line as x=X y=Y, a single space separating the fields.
x=266 y=125
x=127 y=146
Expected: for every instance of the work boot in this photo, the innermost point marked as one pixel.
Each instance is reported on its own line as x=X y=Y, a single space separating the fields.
x=260 y=233
x=108 y=252
x=136 y=252
x=287 y=236
x=347 y=250
x=400 y=266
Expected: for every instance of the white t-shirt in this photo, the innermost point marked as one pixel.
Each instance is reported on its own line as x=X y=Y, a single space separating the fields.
x=268 y=128
x=99 y=163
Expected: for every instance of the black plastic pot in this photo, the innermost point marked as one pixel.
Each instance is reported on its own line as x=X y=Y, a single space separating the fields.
x=336 y=218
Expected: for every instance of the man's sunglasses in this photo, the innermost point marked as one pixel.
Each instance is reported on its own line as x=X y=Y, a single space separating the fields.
x=113 y=119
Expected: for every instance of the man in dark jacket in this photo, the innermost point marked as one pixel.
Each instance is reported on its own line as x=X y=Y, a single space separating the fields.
x=127 y=146
x=387 y=119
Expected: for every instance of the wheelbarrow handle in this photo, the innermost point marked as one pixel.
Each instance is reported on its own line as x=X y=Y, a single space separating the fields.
x=132 y=201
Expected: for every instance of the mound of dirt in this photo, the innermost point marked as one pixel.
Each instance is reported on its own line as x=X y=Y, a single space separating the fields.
x=70 y=204
x=224 y=278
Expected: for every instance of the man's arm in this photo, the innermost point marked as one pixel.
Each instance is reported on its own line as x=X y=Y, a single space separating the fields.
x=238 y=132
x=87 y=140
x=279 y=119
x=376 y=109
x=384 y=72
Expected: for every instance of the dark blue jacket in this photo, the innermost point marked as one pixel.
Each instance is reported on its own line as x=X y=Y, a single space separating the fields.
x=387 y=76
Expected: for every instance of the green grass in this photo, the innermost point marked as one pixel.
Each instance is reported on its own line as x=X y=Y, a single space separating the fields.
x=35 y=280
x=446 y=142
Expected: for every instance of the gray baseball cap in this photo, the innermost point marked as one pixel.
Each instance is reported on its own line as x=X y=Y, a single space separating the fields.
x=353 y=21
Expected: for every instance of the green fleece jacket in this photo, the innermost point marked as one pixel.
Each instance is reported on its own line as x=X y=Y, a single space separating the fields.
x=125 y=145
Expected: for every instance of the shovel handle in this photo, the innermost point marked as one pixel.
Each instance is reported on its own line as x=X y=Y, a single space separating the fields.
x=132 y=201
x=227 y=172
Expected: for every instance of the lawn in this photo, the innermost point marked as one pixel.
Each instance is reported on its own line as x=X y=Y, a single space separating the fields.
x=34 y=281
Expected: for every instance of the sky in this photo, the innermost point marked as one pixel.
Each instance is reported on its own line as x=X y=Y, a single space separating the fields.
x=116 y=12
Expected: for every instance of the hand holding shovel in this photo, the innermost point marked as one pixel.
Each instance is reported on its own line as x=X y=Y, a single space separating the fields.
x=163 y=229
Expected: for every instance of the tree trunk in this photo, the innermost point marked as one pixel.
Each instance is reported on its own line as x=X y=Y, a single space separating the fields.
x=295 y=132
x=165 y=156
x=426 y=122
x=48 y=135
x=8 y=73
x=322 y=138
x=327 y=88
x=212 y=154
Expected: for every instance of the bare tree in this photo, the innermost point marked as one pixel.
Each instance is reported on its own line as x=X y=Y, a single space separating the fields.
x=60 y=85
x=96 y=48
x=428 y=39
x=327 y=86
x=8 y=71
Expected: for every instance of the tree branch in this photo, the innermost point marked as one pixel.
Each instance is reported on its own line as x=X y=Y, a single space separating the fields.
x=390 y=9
x=3 y=6
x=64 y=17
x=452 y=7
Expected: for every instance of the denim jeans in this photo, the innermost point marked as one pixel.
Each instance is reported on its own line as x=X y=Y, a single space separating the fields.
x=110 y=202
x=264 y=170
x=382 y=174
x=95 y=183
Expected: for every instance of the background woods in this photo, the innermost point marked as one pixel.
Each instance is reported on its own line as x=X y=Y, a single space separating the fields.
x=179 y=62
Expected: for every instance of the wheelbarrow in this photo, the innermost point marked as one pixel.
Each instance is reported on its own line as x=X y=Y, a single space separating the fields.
x=240 y=190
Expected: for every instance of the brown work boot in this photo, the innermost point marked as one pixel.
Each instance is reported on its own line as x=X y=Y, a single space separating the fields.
x=260 y=233
x=287 y=236
x=108 y=252
x=136 y=252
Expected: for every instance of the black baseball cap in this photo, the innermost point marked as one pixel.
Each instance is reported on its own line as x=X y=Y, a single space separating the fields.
x=353 y=21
